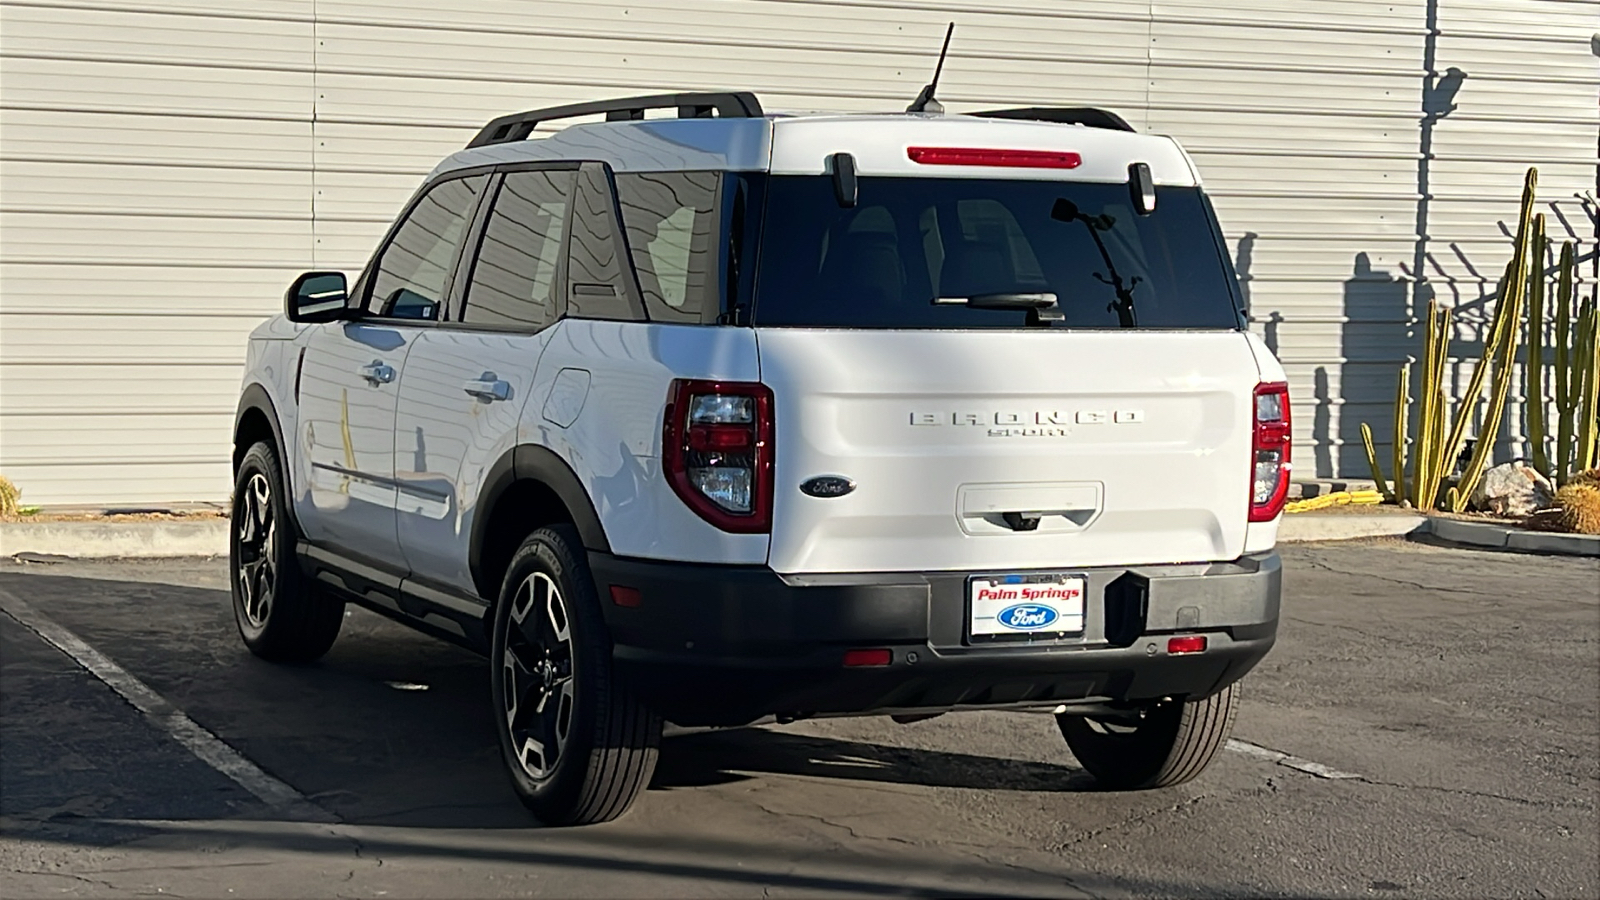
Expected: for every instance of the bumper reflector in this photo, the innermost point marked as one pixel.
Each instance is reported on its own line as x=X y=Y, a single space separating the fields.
x=626 y=596
x=855 y=658
x=1188 y=643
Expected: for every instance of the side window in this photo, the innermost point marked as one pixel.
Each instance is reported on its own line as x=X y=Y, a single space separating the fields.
x=514 y=276
x=410 y=276
x=672 y=221
x=599 y=283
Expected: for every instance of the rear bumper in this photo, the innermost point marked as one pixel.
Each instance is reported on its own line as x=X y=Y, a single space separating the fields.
x=725 y=645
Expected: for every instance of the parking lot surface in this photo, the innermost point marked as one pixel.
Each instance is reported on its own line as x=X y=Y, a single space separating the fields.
x=1428 y=725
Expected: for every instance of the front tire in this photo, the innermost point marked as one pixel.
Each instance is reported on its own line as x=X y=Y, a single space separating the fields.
x=1170 y=742
x=282 y=615
x=578 y=744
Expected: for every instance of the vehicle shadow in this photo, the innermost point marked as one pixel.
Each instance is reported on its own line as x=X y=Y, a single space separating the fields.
x=394 y=728
x=726 y=756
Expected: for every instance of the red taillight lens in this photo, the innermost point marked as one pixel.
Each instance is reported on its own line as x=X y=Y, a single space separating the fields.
x=717 y=452
x=1188 y=643
x=867 y=658
x=979 y=156
x=1269 y=469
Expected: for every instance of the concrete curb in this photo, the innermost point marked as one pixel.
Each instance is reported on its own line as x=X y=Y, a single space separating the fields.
x=1312 y=527
x=1483 y=534
x=1297 y=527
x=207 y=537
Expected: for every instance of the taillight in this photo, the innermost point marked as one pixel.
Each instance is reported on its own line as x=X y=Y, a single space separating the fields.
x=1269 y=473
x=717 y=452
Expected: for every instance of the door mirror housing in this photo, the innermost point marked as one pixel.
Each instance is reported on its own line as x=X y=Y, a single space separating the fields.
x=317 y=297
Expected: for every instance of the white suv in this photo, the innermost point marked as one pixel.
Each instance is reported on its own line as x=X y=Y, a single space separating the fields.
x=728 y=416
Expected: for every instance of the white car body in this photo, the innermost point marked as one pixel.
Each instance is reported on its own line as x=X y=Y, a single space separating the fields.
x=1130 y=448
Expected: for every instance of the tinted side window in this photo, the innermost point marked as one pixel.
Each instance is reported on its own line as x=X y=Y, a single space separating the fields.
x=599 y=283
x=514 y=276
x=410 y=276
x=672 y=222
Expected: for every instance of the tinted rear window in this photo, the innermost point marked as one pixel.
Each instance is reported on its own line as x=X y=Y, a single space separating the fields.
x=909 y=242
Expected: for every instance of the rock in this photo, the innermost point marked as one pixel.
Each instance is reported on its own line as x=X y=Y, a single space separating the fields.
x=1513 y=489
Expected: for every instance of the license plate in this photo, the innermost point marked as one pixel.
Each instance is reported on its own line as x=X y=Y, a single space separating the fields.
x=1046 y=607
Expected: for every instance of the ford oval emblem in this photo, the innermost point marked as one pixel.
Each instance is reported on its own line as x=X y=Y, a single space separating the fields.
x=827 y=486
x=1027 y=617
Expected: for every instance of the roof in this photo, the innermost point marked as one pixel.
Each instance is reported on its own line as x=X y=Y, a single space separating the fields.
x=800 y=145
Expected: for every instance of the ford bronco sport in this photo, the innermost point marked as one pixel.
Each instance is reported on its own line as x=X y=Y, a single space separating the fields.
x=721 y=416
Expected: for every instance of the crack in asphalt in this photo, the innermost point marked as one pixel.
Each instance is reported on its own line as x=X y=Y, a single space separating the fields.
x=1132 y=820
x=1314 y=561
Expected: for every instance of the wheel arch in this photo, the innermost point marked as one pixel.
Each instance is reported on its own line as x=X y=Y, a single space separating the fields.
x=256 y=421
x=527 y=488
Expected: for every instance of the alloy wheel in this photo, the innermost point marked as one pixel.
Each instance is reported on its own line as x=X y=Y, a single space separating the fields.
x=537 y=673
x=257 y=533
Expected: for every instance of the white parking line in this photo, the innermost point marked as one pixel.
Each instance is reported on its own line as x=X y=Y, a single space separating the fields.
x=1284 y=759
x=281 y=798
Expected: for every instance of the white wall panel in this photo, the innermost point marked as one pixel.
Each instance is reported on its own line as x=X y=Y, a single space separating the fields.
x=166 y=166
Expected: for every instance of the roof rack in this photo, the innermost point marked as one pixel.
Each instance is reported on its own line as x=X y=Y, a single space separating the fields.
x=727 y=104
x=1065 y=115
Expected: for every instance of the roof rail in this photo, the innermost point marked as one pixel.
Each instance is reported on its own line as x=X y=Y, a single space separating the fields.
x=1065 y=115
x=727 y=104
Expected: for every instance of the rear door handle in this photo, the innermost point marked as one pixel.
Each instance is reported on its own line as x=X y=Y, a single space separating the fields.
x=487 y=387
x=377 y=372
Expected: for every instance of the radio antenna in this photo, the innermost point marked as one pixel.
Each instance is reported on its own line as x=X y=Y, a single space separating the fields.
x=925 y=102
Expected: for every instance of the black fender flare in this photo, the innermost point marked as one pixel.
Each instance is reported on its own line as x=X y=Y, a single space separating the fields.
x=255 y=398
x=531 y=462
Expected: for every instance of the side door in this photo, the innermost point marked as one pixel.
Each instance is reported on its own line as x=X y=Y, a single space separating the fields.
x=349 y=376
x=467 y=382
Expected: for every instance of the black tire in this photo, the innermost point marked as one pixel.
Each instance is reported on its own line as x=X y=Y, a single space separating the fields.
x=563 y=691
x=1172 y=743
x=282 y=615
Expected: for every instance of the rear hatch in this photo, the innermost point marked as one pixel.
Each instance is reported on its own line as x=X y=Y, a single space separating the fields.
x=1112 y=428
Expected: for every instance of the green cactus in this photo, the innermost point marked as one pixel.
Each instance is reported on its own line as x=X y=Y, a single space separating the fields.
x=1563 y=376
x=1441 y=436
x=1510 y=290
x=1533 y=382
x=1504 y=357
x=1402 y=408
x=1587 y=349
x=1372 y=460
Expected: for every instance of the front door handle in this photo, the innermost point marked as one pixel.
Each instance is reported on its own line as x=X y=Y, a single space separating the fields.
x=377 y=372
x=488 y=388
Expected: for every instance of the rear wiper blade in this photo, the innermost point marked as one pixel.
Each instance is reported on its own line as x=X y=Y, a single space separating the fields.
x=1042 y=307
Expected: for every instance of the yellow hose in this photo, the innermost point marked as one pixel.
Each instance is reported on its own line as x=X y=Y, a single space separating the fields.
x=1338 y=498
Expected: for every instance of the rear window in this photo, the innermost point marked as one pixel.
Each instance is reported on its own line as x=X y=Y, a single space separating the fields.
x=912 y=249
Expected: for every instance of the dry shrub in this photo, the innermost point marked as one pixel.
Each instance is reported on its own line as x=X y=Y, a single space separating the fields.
x=10 y=496
x=1580 y=506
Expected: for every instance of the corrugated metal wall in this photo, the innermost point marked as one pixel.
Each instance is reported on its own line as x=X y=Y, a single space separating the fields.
x=166 y=166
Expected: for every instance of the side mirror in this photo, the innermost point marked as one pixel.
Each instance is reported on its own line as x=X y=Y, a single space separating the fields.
x=317 y=297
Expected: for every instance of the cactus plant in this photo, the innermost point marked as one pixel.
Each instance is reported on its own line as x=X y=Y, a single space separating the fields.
x=1564 y=387
x=1440 y=440
x=1580 y=507
x=1587 y=408
x=1533 y=381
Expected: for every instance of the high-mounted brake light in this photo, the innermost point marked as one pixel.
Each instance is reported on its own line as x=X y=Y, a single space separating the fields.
x=978 y=156
x=1269 y=468
x=717 y=452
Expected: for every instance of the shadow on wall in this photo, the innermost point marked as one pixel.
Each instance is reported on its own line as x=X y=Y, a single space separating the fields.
x=1375 y=332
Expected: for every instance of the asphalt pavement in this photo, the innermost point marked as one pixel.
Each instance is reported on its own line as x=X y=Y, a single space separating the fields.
x=1428 y=725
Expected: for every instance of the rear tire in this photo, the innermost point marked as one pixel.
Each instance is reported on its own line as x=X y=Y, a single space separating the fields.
x=1171 y=743
x=282 y=615
x=577 y=742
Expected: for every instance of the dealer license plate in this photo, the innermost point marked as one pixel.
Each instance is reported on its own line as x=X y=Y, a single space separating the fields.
x=1047 y=607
